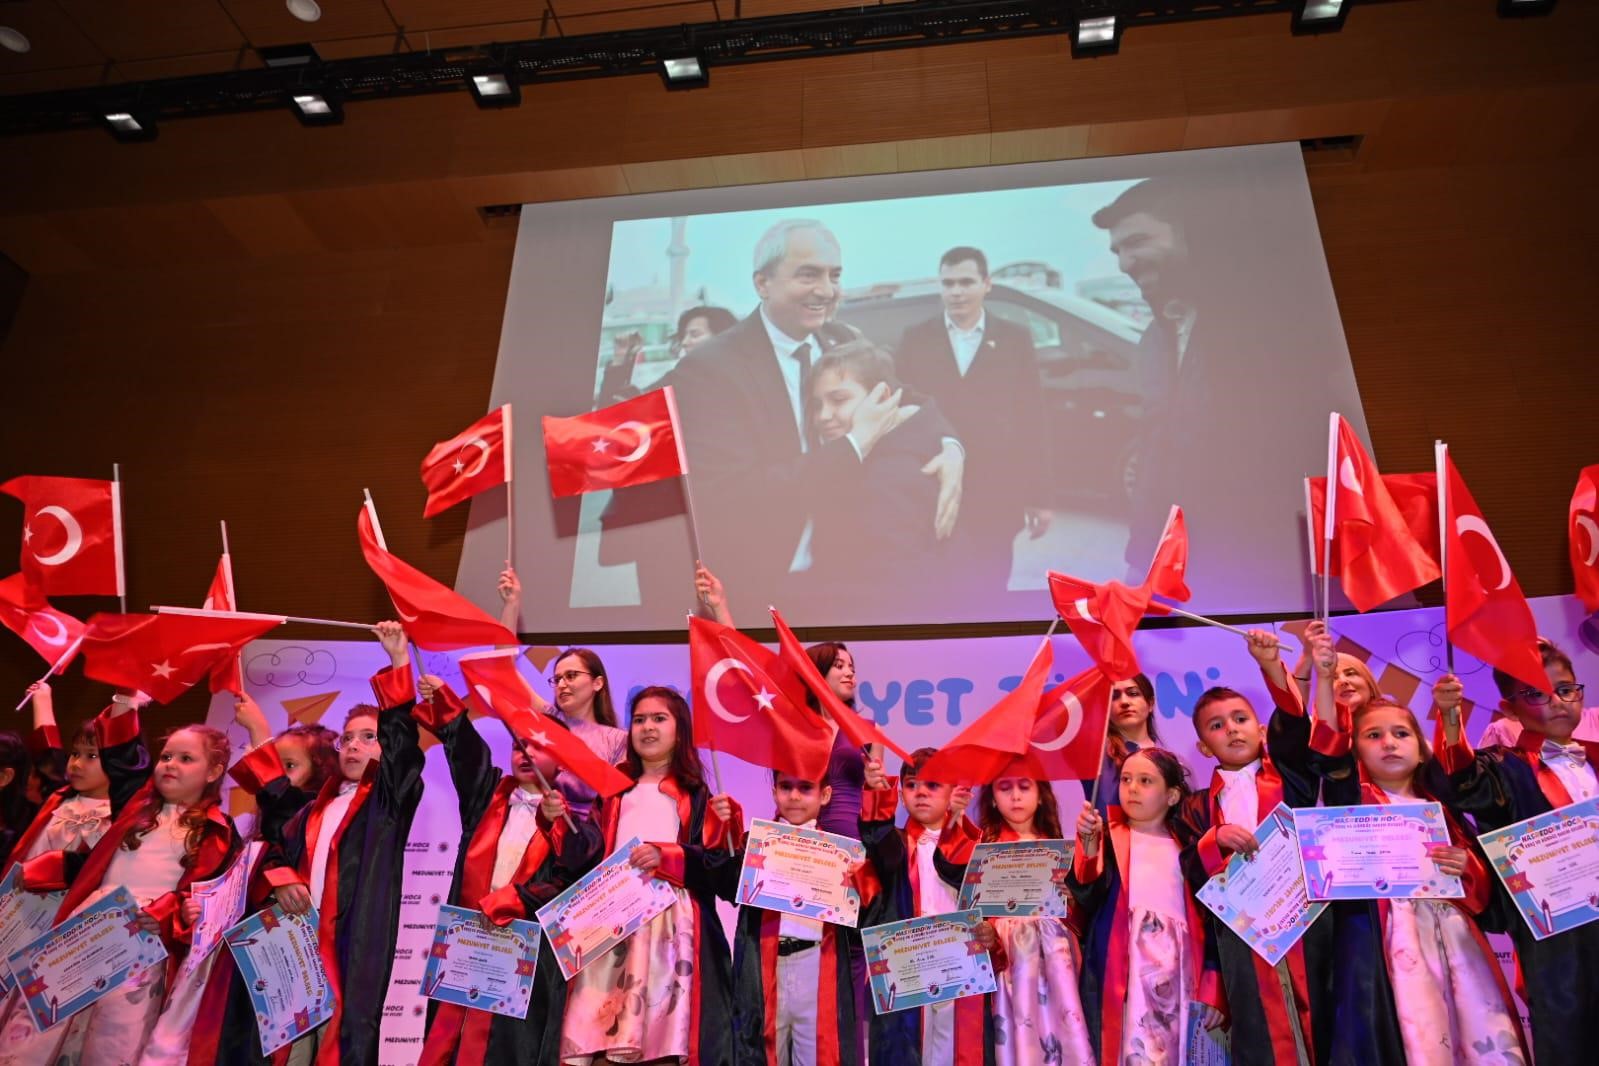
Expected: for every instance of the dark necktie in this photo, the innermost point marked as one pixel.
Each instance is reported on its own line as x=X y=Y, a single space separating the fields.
x=802 y=356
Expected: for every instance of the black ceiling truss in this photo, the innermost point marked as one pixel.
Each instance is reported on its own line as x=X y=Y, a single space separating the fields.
x=909 y=25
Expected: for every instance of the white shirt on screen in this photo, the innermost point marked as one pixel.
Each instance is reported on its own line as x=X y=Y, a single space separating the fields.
x=965 y=342
x=1240 y=800
x=521 y=822
x=332 y=817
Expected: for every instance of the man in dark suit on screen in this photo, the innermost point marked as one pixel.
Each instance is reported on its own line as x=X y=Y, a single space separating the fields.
x=983 y=372
x=757 y=468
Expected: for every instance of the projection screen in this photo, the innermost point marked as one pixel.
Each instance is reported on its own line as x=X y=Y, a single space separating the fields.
x=1069 y=347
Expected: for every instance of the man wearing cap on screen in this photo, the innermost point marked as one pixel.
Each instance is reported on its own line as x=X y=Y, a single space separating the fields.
x=983 y=372
x=757 y=470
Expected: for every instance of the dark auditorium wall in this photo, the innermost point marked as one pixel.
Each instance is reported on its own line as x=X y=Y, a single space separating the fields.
x=259 y=320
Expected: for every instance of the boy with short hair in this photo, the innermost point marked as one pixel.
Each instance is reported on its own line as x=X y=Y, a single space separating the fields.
x=1545 y=769
x=1258 y=767
x=920 y=868
x=793 y=993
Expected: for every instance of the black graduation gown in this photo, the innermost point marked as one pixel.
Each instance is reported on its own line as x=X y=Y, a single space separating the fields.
x=1260 y=1029
x=1497 y=787
x=364 y=876
x=896 y=1038
x=482 y=791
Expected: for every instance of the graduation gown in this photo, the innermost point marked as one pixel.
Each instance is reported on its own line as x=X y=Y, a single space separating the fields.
x=1365 y=1017
x=360 y=914
x=896 y=1038
x=839 y=1027
x=1498 y=786
x=225 y=1029
x=43 y=745
x=702 y=864
x=1261 y=1028
x=50 y=761
x=1100 y=893
x=556 y=855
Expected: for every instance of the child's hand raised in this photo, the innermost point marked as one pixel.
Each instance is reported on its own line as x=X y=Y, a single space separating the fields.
x=1089 y=828
x=1236 y=838
x=876 y=779
x=722 y=807
x=1447 y=692
x=392 y=636
x=1263 y=647
x=959 y=799
x=553 y=806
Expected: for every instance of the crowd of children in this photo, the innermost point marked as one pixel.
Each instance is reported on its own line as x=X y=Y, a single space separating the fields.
x=1136 y=973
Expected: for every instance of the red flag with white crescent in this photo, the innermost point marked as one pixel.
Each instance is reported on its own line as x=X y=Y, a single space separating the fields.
x=1585 y=537
x=227 y=677
x=999 y=736
x=1378 y=556
x=1168 y=570
x=1103 y=619
x=48 y=631
x=434 y=617
x=1069 y=732
x=860 y=731
x=495 y=686
x=1416 y=496
x=71 y=535
x=633 y=442
x=749 y=703
x=164 y=655
x=1487 y=614
x=473 y=461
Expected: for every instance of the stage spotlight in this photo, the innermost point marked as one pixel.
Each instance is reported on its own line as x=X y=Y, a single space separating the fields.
x=14 y=40
x=494 y=88
x=685 y=71
x=130 y=126
x=314 y=107
x=1098 y=36
x=1320 y=16
x=1519 y=8
x=304 y=10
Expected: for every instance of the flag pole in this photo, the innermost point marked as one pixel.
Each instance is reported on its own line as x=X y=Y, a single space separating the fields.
x=716 y=772
x=116 y=536
x=1329 y=519
x=233 y=597
x=1104 y=749
x=682 y=464
x=1310 y=538
x=1201 y=618
x=202 y=613
x=510 y=492
x=546 y=786
x=1440 y=452
x=55 y=667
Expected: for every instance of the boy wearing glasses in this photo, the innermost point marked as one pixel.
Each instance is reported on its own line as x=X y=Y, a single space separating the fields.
x=344 y=854
x=1543 y=770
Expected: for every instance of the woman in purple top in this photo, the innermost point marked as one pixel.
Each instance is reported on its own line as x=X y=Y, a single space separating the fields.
x=846 y=769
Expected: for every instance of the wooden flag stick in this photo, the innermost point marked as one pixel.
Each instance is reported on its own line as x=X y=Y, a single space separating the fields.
x=1329 y=524
x=1441 y=460
x=55 y=667
x=716 y=772
x=116 y=536
x=1301 y=1052
x=1104 y=748
x=510 y=491
x=368 y=626
x=545 y=785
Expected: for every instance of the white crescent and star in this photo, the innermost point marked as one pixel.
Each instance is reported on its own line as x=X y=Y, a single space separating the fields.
x=1470 y=523
x=1068 y=732
x=643 y=432
x=60 y=637
x=484 y=695
x=1347 y=478
x=713 y=677
x=1588 y=525
x=74 y=536
x=482 y=458
x=163 y=669
x=1081 y=606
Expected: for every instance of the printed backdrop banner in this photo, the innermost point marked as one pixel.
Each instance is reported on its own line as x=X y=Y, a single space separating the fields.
x=922 y=692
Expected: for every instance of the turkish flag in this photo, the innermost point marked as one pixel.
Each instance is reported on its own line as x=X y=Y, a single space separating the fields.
x=1167 y=575
x=71 y=535
x=219 y=597
x=164 y=655
x=495 y=686
x=1416 y=496
x=630 y=443
x=48 y=631
x=1486 y=613
x=750 y=703
x=1585 y=537
x=1377 y=554
x=1103 y=618
x=999 y=736
x=473 y=461
x=434 y=617
x=852 y=725
x=1069 y=732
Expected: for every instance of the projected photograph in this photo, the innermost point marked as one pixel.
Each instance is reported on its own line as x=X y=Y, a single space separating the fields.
x=911 y=408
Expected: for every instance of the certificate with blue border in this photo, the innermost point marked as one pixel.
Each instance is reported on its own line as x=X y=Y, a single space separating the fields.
x=86 y=957
x=1374 y=851
x=281 y=966
x=24 y=917
x=921 y=961
x=1263 y=897
x=1549 y=864
x=475 y=964
x=602 y=908
x=801 y=871
x=1018 y=879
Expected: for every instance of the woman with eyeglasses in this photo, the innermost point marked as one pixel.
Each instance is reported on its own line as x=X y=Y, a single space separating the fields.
x=1546 y=768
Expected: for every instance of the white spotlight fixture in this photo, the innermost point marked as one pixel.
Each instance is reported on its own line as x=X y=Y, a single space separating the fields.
x=304 y=10
x=129 y=127
x=1320 y=16
x=313 y=107
x=1100 y=35
x=494 y=88
x=685 y=71
x=13 y=40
